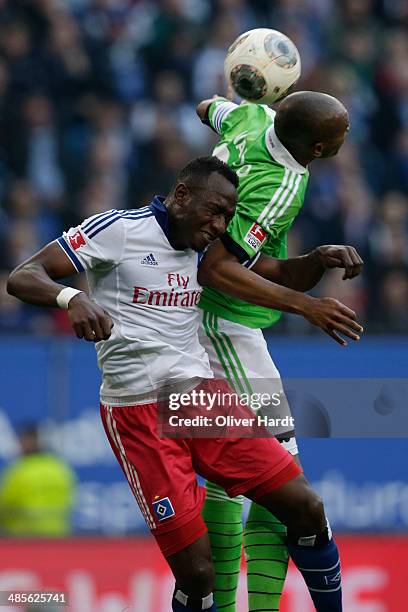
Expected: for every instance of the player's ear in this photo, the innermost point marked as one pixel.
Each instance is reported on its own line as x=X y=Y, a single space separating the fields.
x=318 y=149
x=181 y=194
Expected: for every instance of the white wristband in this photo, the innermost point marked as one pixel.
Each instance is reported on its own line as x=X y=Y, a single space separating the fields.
x=65 y=296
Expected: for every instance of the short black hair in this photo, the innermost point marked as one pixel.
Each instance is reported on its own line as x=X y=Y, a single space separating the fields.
x=200 y=169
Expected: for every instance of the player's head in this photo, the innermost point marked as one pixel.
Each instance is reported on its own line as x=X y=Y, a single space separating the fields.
x=311 y=124
x=201 y=203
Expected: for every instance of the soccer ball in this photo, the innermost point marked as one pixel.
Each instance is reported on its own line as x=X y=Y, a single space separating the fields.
x=262 y=65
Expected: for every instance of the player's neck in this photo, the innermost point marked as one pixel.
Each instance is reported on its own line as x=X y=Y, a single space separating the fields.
x=175 y=236
x=173 y=231
x=301 y=156
x=299 y=153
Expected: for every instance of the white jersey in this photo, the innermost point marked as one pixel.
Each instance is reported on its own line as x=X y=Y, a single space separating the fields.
x=150 y=291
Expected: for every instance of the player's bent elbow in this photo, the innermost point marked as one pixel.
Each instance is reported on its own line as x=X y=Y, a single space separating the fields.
x=201 y=109
x=15 y=281
x=12 y=283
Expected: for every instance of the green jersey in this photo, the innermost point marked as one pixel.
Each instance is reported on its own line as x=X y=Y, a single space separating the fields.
x=271 y=192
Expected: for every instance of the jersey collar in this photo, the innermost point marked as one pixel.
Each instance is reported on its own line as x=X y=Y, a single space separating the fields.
x=159 y=210
x=280 y=154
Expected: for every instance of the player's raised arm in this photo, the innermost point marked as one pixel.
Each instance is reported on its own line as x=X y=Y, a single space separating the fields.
x=304 y=272
x=222 y=270
x=214 y=111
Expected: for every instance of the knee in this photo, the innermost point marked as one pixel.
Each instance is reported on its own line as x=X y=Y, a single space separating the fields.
x=311 y=519
x=198 y=578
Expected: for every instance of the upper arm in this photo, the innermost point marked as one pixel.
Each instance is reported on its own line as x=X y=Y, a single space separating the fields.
x=221 y=254
x=246 y=234
x=213 y=261
x=202 y=110
x=98 y=241
x=218 y=257
x=54 y=261
x=270 y=268
x=214 y=112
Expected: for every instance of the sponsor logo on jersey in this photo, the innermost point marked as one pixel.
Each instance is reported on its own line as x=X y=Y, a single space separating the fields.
x=77 y=240
x=163 y=508
x=255 y=236
x=149 y=260
x=176 y=293
x=172 y=297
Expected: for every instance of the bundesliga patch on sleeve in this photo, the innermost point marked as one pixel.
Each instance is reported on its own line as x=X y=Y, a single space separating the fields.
x=77 y=240
x=163 y=508
x=255 y=236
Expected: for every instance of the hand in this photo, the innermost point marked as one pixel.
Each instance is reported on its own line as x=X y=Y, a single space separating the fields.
x=333 y=317
x=340 y=256
x=88 y=320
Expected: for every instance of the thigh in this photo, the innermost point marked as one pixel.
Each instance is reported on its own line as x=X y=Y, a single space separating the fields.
x=160 y=474
x=241 y=464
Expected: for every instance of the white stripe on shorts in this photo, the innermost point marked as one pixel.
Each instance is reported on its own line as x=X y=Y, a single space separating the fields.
x=131 y=474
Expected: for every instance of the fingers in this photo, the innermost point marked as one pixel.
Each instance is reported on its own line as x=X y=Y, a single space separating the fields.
x=83 y=330
x=346 y=331
x=342 y=309
x=350 y=323
x=356 y=264
x=334 y=256
x=338 y=320
x=338 y=328
x=344 y=321
x=345 y=325
x=93 y=329
x=89 y=320
x=335 y=336
x=351 y=262
x=347 y=264
x=98 y=334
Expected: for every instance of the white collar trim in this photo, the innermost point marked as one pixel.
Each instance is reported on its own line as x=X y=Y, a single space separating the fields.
x=280 y=154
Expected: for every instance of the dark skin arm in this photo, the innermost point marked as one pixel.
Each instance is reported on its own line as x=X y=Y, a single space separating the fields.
x=221 y=270
x=34 y=282
x=304 y=272
x=202 y=107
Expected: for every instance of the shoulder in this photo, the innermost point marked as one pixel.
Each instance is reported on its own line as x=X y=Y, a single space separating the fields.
x=97 y=223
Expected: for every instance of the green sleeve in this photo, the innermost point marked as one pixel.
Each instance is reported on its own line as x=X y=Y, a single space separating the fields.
x=246 y=233
x=223 y=115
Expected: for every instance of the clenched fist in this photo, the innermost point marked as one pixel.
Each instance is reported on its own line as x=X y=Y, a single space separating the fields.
x=88 y=320
x=340 y=256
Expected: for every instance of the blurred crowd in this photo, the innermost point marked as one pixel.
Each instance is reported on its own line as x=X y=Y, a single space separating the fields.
x=97 y=111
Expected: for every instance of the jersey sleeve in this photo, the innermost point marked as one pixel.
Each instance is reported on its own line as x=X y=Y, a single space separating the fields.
x=267 y=212
x=218 y=113
x=98 y=242
x=244 y=237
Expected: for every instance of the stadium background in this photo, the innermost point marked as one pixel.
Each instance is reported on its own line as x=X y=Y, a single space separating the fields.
x=97 y=106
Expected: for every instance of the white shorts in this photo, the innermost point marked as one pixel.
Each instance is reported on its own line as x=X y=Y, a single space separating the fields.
x=240 y=355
